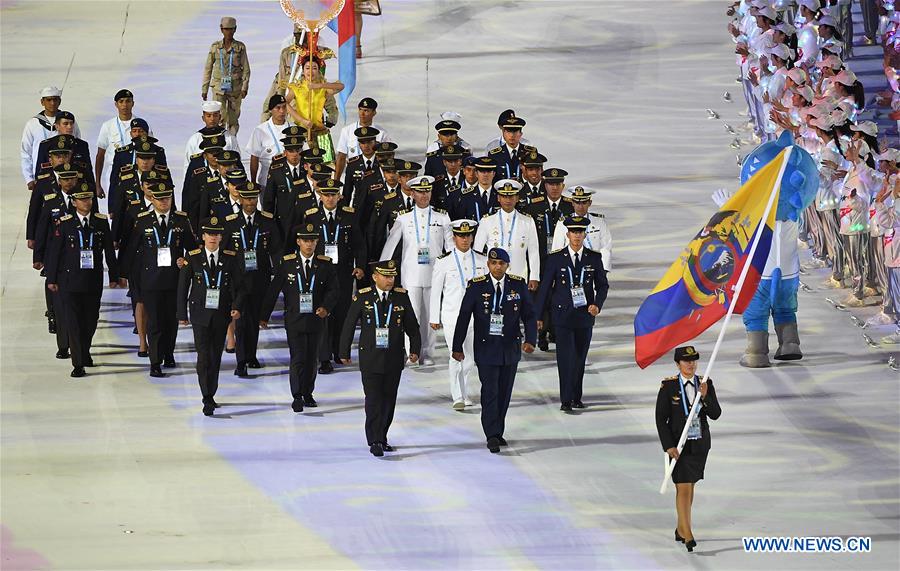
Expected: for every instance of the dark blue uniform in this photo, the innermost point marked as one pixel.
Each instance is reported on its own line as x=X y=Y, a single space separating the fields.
x=472 y=205
x=572 y=325
x=508 y=165
x=126 y=156
x=496 y=356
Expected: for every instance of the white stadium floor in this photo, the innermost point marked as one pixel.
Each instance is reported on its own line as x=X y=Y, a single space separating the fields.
x=121 y=471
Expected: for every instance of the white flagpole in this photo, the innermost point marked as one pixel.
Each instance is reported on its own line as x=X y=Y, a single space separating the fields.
x=737 y=292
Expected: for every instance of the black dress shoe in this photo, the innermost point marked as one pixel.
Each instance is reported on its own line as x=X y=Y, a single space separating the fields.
x=310 y=402
x=155 y=371
x=77 y=372
x=209 y=408
x=62 y=354
x=143 y=354
x=566 y=406
x=241 y=371
x=690 y=545
x=254 y=363
x=169 y=362
x=229 y=351
x=376 y=449
x=578 y=404
x=134 y=330
x=387 y=447
x=493 y=444
x=678 y=537
x=503 y=441
x=543 y=345
x=325 y=368
x=297 y=405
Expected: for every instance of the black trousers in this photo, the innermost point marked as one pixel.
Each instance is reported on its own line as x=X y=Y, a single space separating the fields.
x=58 y=303
x=870 y=17
x=304 y=362
x=162 y=323
x=381 y=399
x=246 y=329
x=82 y=313
x=331 y=333
x=209 y=341
x=496 y=392
x=572 y=346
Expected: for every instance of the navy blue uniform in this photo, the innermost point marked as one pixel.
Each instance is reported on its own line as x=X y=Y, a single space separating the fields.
x=572 y=325
x=496 y=356
x=508 y=165
x=671 y=416
x=472 y=205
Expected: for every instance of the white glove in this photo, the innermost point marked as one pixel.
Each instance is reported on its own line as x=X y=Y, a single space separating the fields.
x=721 y=196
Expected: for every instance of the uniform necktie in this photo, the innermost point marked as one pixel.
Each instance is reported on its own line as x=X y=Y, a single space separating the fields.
x=499 y=298
x=484 y=196
x=68 y=203
x=250 y=220
x=84 y=223
x=308 y=272
x=408 y=202
x=294 y=173
x=384 y=297
x=331 y=219
x=212 y=261
x=577 y=259
x=162 y=223
x=368 y=164
x=553 y=209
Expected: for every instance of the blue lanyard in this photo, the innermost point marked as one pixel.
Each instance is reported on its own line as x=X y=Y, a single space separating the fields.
x=428 y=225
x=218 y=280
x=580 y=280
x=90 y=245
x=477 y=210
x=377 y=317
x=312 y=283
x=337 y=233
x=169 y=239
x=222 y=60
x=133 y=157
x=255 y=238
x=511 y=228
x=547 y=222
x=274 y=138
x=462 y=276
x=683 y=397
x=498 y=300
x=121 y=133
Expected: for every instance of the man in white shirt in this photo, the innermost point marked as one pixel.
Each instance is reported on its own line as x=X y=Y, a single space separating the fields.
x=449 y=280
x=425 y=234
x=514 y=232
x=38 y=128
x=212 y=117
x=114 y=134
x=348 y=147
x=597 y=237
x=265 y=140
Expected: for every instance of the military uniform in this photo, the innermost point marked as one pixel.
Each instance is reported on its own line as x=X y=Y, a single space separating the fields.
x=514 y=232
x=306 y=288
x=382 y=356
x=449 y=278
x=446 y=184
x=227 y=71
x=257 y=243
x=134 y=200
x=127 y=157
x=475 y=202
x=212 y=196
x=434 y=157
x=571 y=283
x=361 y=170
x=498 y=347
x=212 y=289
x=506 y=159
x=286 y=184
x=81 y=155
x=597 y=237
x=158 y=240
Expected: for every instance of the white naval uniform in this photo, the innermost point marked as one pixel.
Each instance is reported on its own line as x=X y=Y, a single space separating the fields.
x=596 y=238
x=193 y=146
x=347 y=142
x=519 y=239
x=265 y=143
x=447 y=289
x=416 y=277
x=37 y=129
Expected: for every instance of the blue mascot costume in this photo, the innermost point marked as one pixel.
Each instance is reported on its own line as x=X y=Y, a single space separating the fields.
x=776 y=295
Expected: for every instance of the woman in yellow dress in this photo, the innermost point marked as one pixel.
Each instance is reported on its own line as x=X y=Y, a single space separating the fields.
x=311 y=104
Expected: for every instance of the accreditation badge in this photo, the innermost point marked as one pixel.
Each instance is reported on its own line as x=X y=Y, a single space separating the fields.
x=305 y=303
x=225 y=85
x=578 y=298
x=212 y=299
x=424 y=255
x=695 y=432
x=331 y=250
x=382 y=337
x=87 y=260
x=163 y=257
x=250 y=261
x=496 y=326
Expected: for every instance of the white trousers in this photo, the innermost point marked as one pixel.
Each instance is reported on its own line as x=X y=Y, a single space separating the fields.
x=420 y=297
x=460 y=373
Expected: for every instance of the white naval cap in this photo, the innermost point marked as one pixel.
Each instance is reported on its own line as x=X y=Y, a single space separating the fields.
x=578 y=193
x=211 y=106
x=464 y=226
x=421 y=183
x=867 y=127
x=51 y=91
x=509 y=185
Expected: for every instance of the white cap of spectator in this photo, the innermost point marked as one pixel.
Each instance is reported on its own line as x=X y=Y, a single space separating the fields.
x=798 y=75
x=892 y=155
x=806 y=92
x=833 y=45
x=51 y=91
x=782 y=51
x=785 y=28
x=846 y=77
x=811 y=4
x=867 y=127
x=832 y=61
x=827 y=20
x=766 y=11
x=821 y=122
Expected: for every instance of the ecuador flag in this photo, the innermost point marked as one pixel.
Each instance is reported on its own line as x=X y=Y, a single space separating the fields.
x=699 y=286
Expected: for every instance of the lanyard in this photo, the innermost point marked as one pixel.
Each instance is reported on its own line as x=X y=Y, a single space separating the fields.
x=311 y=285
x=683 y=397
x=416 y=220
x=580 y=280
x=133 y=157
x=217 y=282
x=462 y=275
x=588 y=240
x=274 y=138
x=90 y=245
x=121 y=132
x=255 y=238
x=158 y=244
x=337 y=233
x=377 y=317
x=547 y=222
x=477 y=209
x=511 y=228
x=222 y=60
x=498 y=300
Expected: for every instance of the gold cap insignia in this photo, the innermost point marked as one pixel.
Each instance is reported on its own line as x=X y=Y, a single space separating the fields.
x=213 y=220
x=293 y=140
x=84 y=186
x=554 y=172
x=391 y=264
x=309 y=227
x=61 y=144
x=493 y=255
x=407 y=164
x=161 y=187
x=146 y=146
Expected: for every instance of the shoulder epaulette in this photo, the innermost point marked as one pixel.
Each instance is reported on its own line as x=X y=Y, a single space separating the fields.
x=194 y=252
x=312 y=210
x=290 y=257
x=278 y=157
x=161 y=168
x=181 y=213
x=125 y=149
x=50 y=196
x=376 y=186
x=443 y=255
x=144 y=213
x=537 y=199
x=365 y=290
x=672 y=378
x=323 y=258
x=199 y=170
x=278 y=166
x=399 y=290
x=390 y=195
x=348 y=209
x=66 y=217
x=305 y=195
x=197 y=155
x=355 y=159
x=479 y=278
x=495 y=150
x=299 y=182
x=100 y=215
x=596 y=215
x=45 y=165
x=441 y=210
x=126 y=176
x=229 y=252
x=468 y=190
x=569 y=200
x=515 y=277
x=134 y=201
x=231 y=217
x=43 y=176
x=266 y=214
x=431 y=154
x=212 y=179
x=126 y=168
x=556 y=251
